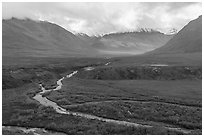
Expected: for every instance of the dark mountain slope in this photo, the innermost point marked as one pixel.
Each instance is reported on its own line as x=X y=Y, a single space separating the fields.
x=31 y=38
x=188 y=40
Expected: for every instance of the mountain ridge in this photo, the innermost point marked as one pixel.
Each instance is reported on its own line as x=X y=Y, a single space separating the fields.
x=41 y=38
x=188 y=39
x=32 y=37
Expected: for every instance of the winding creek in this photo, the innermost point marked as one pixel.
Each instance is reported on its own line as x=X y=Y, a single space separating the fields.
x=46 y=102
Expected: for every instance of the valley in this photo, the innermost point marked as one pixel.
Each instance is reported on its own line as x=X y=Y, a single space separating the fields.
x=122 y=100
x=123 y=82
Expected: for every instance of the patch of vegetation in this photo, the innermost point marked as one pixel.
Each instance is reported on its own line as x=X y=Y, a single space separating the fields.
x=157 y=112
x=21 y=83
x=179 y=106
x=143 y=73
x=77 y=90
x=48 y=119
x=43 y=70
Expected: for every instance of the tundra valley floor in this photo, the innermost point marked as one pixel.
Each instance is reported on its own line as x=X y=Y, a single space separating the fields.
x=157 y=103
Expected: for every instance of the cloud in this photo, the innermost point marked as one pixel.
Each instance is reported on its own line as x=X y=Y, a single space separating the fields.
x=99 y=18
x=171 y=15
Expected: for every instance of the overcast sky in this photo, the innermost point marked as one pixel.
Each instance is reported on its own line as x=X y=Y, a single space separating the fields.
x=100 y=18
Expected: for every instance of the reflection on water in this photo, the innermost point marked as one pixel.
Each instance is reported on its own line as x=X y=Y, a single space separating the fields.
x=89 y=68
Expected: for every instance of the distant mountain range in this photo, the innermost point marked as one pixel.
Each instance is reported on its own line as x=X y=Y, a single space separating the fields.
x=130 y=43
x=44 y=39
x=22 y=38
x=185 y=48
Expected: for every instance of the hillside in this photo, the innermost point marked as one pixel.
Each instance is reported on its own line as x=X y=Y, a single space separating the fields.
x=31 y=38
x=188 y=40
